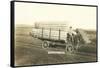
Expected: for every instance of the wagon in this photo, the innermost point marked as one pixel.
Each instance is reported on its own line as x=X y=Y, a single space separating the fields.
x=58 y=38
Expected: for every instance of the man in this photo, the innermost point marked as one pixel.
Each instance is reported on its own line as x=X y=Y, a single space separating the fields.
x=71 y=31
x=71 y=35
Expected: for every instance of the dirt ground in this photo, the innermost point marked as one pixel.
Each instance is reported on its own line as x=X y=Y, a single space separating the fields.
x=28 y=51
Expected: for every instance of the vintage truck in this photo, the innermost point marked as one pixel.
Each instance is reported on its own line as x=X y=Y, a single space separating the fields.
x=51 y=37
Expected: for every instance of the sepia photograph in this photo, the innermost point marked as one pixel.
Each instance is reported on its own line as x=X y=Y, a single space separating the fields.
x=53 y=33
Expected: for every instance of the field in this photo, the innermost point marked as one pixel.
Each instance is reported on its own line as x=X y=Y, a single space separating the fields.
x=28 y=50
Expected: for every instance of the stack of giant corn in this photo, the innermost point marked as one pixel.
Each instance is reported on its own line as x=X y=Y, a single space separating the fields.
x=50 y=34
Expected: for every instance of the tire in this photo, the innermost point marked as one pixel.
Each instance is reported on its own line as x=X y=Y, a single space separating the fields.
x=69 y=49
x=45 y=44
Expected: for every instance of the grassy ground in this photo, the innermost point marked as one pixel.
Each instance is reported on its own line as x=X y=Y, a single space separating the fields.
x=28 y=51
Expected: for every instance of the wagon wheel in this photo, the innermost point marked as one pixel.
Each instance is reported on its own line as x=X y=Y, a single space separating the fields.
x=69 y=48
x=45 y=44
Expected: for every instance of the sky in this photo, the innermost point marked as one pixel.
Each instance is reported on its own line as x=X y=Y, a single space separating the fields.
x=75 y=16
